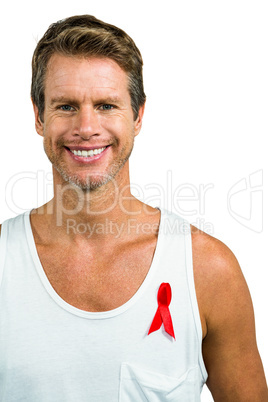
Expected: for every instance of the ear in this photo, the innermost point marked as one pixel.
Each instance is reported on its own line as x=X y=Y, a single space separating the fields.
x=138 y=121
x=39 y=125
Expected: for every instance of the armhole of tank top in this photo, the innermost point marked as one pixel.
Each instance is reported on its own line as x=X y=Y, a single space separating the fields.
x=194 y=303
x=3 y=241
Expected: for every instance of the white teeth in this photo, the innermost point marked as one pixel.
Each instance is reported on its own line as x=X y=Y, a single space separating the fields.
x=89 y=153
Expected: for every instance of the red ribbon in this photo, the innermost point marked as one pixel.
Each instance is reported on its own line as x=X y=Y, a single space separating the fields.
x=162 y=314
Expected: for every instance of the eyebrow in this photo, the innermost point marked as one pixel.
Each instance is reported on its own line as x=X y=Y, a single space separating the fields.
x=62 y=99
x=101 y=99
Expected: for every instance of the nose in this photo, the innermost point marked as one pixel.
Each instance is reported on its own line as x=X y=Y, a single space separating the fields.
x=87 y=123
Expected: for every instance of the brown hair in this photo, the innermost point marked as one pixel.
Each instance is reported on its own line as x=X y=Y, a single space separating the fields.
x=85 y=35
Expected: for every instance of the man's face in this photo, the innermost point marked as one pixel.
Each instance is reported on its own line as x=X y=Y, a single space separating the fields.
x=88 y=125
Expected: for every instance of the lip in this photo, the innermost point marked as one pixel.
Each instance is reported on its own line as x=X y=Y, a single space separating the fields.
x=76 y=148
x=86 y=160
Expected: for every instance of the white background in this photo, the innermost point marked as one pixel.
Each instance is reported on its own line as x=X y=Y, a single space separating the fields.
x=205 y=124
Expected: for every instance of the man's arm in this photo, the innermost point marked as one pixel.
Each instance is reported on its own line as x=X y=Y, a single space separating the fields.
x=235 y=371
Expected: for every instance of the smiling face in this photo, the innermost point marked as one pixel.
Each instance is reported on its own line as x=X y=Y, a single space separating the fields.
x=88 y=124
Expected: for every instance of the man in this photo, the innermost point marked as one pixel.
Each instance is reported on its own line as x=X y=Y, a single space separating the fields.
x=103 y=297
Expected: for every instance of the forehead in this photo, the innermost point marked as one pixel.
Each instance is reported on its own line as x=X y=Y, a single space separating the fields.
x=81 y=74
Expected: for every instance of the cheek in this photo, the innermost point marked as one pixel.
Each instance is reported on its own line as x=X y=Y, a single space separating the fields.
x=57 y=128
x=48 y=146
x=118 y=125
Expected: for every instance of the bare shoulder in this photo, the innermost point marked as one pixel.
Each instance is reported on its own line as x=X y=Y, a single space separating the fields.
x=218 y=276
x=212 y=254
x=229 y=347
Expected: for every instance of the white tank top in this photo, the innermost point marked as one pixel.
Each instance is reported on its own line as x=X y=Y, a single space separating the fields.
x=51 y=351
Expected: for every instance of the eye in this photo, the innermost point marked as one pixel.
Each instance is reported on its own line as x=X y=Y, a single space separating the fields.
x=106 y=107
x=66 y=108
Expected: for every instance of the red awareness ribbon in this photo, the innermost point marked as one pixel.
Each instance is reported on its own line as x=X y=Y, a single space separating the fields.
x=162 y=314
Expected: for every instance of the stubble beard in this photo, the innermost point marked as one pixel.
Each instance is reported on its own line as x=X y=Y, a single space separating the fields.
x=91 y=182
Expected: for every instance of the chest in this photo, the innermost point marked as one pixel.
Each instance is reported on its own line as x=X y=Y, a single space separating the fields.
x=97 y=280
x=56 y=350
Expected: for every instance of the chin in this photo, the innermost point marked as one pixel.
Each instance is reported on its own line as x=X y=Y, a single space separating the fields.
x=89 y=185
x=88 y=182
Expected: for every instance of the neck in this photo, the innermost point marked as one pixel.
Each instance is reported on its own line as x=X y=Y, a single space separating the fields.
x=76 y=214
